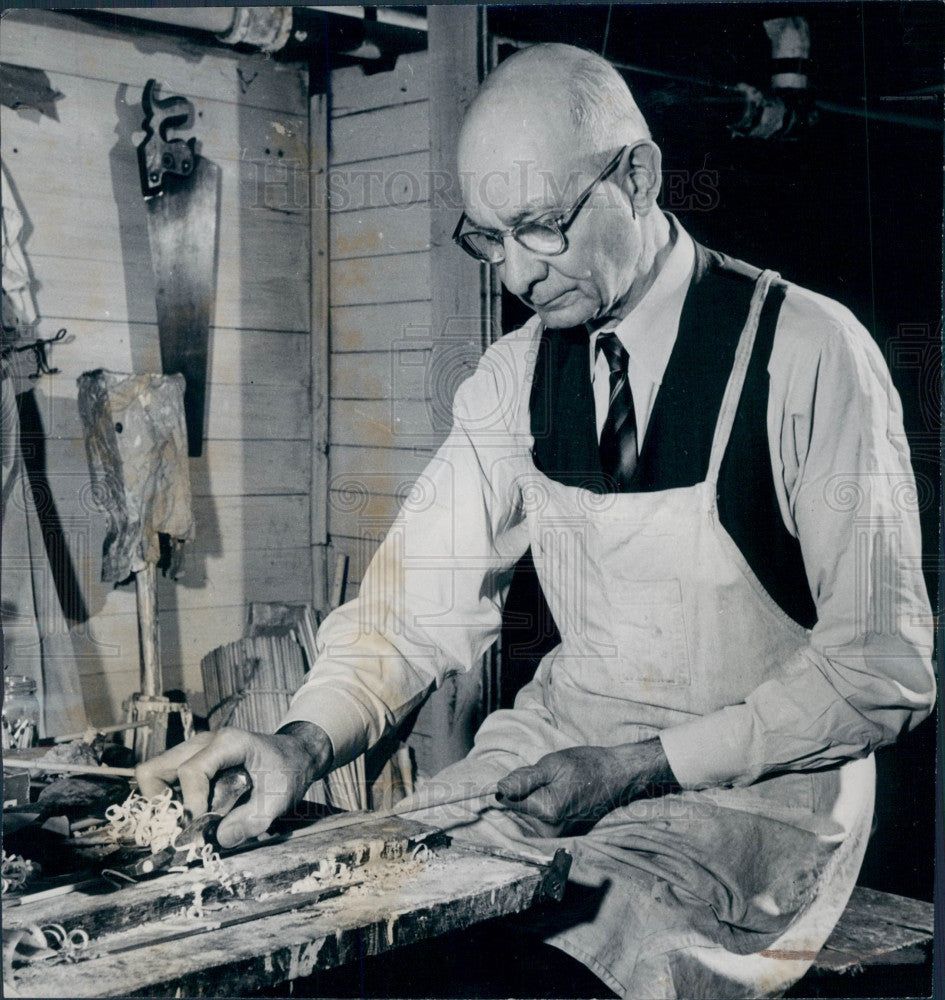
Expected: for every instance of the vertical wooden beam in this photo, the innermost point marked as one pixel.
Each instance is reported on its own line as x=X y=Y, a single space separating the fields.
x=152 y=680
x=319 y=124
x=455 y=57
x=455 y=44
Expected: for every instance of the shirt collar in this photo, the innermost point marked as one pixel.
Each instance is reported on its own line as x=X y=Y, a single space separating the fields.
x=648 y=331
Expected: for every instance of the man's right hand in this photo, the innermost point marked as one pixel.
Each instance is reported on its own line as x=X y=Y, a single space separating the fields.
x=281 y=766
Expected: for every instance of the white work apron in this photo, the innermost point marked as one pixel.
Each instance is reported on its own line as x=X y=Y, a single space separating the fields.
x=721 y=892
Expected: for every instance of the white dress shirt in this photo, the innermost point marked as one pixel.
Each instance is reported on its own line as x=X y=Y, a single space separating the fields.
x=431 y=602
x=648 y=333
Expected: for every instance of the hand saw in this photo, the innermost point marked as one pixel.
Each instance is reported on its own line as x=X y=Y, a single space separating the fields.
x=181 y=194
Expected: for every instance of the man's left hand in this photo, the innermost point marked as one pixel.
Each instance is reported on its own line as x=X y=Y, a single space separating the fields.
x=585 y=783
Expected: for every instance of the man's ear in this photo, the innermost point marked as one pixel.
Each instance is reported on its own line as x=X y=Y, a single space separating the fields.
x=643 y=175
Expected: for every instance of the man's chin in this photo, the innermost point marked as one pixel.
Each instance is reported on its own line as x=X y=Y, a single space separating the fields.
x=573 y=310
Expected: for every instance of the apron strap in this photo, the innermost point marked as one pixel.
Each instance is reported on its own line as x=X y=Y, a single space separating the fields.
x=736 y=381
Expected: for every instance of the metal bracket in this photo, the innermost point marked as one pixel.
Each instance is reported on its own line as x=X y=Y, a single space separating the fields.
x=556 y=876
x=554 y=873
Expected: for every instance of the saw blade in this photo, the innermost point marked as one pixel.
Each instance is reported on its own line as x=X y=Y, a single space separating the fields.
x=182 y=231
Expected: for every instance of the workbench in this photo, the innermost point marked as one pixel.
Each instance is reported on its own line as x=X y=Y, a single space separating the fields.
x=312 y=900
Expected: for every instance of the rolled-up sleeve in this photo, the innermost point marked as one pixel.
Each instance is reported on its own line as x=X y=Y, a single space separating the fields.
x=847 y=491
x=430 y=602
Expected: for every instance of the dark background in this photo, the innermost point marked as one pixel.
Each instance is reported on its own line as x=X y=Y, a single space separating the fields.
x=851 y=208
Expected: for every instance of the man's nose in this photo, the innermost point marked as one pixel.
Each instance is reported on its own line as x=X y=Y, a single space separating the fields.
x=521 y=268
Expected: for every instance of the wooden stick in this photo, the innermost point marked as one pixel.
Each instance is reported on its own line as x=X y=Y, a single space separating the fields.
x=57 y=766
x=294 y=901
x=340 y=581
x=349 y=819
x=99 y=730
x=152 y=683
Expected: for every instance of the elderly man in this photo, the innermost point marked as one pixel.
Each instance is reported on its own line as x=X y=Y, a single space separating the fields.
x=709 y=466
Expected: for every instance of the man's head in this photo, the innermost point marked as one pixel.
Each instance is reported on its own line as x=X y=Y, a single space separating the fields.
x=542 y=127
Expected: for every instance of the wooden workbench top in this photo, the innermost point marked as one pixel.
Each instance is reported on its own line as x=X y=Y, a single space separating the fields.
x=391 y=893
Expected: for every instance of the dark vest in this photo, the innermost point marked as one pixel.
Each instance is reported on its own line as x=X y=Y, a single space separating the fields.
x=678 y=438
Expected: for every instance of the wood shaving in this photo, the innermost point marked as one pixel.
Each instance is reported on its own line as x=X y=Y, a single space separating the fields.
x=21 y=945
x=335 y=871
x=155 y=823
x=213 y=866
x=66 y=945
x=198 y=909
x=15 y=872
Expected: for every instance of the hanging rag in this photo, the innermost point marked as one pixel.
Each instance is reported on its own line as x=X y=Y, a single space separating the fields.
x=36 y=638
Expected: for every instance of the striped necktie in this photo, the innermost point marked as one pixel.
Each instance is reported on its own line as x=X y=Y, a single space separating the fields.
x=618 y=438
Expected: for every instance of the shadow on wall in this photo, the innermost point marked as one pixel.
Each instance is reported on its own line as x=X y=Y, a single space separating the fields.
x=58 y=541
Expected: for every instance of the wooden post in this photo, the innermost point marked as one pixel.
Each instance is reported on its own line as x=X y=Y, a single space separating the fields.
x=456 y=44
x=455 y=60
x=320 y=350
x=149 y=704
x=152 y=680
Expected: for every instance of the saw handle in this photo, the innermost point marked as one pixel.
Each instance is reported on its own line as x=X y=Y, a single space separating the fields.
x=157 y=153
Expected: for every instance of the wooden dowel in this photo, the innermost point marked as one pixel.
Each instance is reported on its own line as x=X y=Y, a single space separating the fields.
x=57 y=767
x=339 y=583
x=101 y=729
x=152 y=682
x=349 y=819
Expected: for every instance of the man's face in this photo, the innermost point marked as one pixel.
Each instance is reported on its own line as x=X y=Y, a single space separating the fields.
x=519 y=162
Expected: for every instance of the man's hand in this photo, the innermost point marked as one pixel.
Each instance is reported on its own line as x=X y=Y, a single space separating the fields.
x=585 y=783
x=281 y=766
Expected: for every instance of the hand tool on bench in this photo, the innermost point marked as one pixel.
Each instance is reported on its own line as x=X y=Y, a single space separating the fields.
x=75 y=798
x=229 y=787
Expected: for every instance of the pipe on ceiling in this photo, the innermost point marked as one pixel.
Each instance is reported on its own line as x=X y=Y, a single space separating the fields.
x=266 y=28
x=271 y=28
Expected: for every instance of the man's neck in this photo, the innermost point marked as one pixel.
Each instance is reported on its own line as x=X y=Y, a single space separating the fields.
x=658 y=242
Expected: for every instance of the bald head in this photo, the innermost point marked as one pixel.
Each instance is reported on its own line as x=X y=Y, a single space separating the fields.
x=571 y=91
x=555 y=137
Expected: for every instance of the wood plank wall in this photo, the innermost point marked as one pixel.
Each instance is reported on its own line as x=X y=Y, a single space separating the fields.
x=381 y=432
x=384 y=425
x=406 y=313
x=76 y=177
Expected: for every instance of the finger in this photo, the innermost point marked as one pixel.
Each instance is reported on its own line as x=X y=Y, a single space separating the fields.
x=276 y=786
x=539 y=804
x=228 y=748
x=156 y=775
x=520 y=783
x=246 y=821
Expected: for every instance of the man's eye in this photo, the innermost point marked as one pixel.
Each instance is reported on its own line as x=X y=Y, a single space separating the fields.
x=538 y=226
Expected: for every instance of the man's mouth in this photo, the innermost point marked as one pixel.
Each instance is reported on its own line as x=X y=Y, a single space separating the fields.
x=555 y=301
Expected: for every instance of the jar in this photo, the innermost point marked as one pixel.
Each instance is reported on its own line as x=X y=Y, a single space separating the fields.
x=20 y=712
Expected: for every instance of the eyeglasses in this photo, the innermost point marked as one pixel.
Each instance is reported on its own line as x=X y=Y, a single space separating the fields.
x=543 y=236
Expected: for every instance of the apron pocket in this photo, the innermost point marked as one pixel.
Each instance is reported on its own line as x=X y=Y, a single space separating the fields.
x=792 y=792
x=649 y=628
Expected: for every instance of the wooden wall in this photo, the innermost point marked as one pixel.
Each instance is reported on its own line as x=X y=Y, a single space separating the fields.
x=381 y=432
x=383 y=422
x=86 y=240
x=398 y=348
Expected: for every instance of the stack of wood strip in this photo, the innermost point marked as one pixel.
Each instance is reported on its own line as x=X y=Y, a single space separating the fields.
x=249 y=683
x=347 y=785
